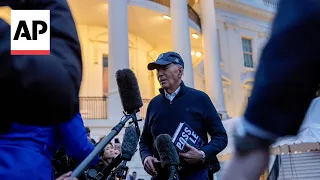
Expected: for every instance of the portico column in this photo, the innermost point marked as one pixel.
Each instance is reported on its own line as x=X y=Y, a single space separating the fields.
x=181 y=37
x=213 y=78
x=118 y=53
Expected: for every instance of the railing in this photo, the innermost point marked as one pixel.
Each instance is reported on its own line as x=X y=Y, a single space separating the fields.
x=273 y=3
x=274 y=173
x=191 y=13
x=93 y=107
x=96 y=107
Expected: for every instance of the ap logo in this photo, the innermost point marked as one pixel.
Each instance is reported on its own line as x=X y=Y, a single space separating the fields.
x=30 y=32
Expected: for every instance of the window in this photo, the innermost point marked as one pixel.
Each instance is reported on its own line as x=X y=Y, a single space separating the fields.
x=105 y=74
x=105 y=61
x=247 y=52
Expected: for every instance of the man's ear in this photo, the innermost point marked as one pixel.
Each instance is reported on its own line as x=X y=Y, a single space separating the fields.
x=180 y=69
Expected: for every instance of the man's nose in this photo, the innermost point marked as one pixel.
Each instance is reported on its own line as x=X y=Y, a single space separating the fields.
x=160 y=73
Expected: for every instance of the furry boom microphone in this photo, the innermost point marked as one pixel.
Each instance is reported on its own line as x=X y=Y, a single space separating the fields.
x=128 y=148
x=130 y=143
x=129 y=91
x=168 y=154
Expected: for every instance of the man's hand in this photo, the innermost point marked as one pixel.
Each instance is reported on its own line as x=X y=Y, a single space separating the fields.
x=149 y=165
x=247 y=167
x=193 y=155
x=66 y=176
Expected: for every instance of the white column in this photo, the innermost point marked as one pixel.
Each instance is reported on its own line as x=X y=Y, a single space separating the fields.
x=118 y=53
x=181 y=37
x=213 y=78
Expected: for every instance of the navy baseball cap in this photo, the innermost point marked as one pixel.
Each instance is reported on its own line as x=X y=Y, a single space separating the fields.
x=165 y=59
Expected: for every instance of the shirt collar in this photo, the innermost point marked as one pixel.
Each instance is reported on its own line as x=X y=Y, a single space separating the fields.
x=172 y=94
x=181 y=89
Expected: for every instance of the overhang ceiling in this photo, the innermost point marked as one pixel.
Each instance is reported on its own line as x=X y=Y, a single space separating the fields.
x=143 y=22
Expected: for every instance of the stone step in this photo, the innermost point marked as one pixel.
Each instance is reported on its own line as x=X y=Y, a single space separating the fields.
x=300 y=177
x=302 y=154
x=300 y=157
x=303 y=166
x=300 y=172
x=300 y=167
x=295 y=162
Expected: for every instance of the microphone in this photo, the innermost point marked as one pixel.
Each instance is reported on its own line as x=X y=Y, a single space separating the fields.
x=129 y=91
x=94 y=174
x=130 y=96
x=130 y=143
x=168 y=154
x=131 y=101
x=128 y=148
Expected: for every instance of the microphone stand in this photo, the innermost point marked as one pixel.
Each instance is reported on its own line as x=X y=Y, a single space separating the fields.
x=172 y=172
x=122 y=170
x=113 y=174
x=115 y=131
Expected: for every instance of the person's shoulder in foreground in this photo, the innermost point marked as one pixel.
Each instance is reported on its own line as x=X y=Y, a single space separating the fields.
x=74 y=139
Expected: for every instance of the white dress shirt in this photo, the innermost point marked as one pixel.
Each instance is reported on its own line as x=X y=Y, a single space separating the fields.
x=172 y=95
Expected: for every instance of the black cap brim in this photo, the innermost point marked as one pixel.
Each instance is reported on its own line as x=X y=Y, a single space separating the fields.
x=153 y=65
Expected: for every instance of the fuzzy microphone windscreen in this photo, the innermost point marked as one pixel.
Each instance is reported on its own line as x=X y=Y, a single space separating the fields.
x=130 y=143
x=129 y=90
x=167 y=151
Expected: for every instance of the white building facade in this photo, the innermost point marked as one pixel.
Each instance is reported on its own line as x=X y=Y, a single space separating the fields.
x=219 y=40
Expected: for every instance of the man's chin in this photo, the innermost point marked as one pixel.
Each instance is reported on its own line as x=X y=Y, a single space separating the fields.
x=164 y=86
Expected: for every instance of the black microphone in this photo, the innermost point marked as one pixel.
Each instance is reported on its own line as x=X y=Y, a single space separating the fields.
x=131 y=101
x=94 y=174
x=128 y=149
x=168 y=154
x=129 y=91
x=129 y=94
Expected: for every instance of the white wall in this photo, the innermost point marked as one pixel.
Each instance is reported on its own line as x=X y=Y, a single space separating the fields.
x=94 y=43
x=232 y=27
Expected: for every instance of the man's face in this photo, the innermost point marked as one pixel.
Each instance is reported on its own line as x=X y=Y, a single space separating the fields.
x=169 y=75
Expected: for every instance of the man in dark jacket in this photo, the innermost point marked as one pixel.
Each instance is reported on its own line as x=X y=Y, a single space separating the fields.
x=42 y=89
x=179 y=103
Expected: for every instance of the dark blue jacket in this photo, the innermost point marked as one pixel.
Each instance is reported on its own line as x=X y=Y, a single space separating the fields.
x=288 y=74
x=191 y=106
x=26 y=150
x=43 y=89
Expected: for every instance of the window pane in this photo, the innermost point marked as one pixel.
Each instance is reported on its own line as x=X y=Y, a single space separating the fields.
x=246 y=45
x=248 y=62
x=250 y=46
x=105 y=74
x=105 y=61
x=246 y=48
